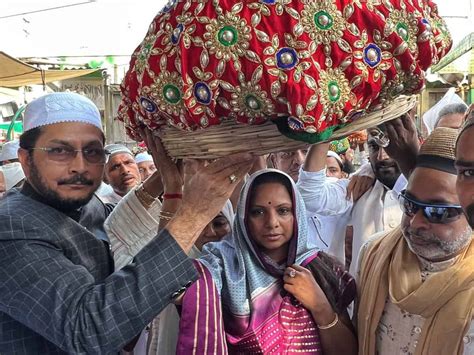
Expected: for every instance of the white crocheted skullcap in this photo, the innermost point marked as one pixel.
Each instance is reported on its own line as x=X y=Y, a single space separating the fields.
x=141 y=157
x=61 y=107
x=335 y=156
x=10 y=150
x=117 y=149
x=13 y=174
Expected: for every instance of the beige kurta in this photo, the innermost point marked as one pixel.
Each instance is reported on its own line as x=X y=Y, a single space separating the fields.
x=398 y=331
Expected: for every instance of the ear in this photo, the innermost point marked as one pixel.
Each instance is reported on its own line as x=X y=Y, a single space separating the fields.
x=24 y=158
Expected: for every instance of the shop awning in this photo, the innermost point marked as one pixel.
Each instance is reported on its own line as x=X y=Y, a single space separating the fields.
x=17 y=126
x=15 y=73
x=465 y=46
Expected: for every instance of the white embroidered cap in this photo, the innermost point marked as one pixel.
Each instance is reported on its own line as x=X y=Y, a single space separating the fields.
x=141 y=157
x=10 y=150
x=13 y=174
x=335 y=156
x=60 y=107
x=117 y=149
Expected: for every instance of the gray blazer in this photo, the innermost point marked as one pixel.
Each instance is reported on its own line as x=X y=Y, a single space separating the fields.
x=56 y=291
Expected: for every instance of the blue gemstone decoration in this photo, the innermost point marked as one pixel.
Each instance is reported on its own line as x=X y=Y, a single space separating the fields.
x=202 y=93
x=372 y=55
x=169 y=6
x=176 y=35
x=148 y=105
x=425 y=21
x=269 y=2
x=295 y=124
x=286 y=58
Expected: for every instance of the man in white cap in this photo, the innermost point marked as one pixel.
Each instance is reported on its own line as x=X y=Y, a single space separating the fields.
x=12 y=175
x=121 y=172
x=59 y=292
x=9 y=152
x=334 y=165
x=145 y=163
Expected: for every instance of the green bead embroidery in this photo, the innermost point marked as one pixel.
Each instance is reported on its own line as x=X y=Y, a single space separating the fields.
x=228 y=36
x=171 y=94
x=334 y=92
x=323 y=20
x=403 y=32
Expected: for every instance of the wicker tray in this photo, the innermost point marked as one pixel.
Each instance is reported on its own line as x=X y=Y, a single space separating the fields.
x=230 y=137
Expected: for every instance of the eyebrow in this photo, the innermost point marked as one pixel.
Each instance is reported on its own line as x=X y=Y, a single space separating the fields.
x=437 y=201
x=59 y=141
x=463 y=163
x=280 y=205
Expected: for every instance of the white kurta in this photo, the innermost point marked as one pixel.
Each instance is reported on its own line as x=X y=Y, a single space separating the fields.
x=377 y=210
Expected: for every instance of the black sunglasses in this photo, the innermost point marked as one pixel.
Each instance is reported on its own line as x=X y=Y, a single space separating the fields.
x=434 y=213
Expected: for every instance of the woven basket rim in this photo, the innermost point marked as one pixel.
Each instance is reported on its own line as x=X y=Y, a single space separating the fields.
x=231 y=137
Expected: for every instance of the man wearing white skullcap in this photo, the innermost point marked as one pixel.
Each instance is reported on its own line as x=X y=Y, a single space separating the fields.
x=334 y=165
x=13 y=175
x=121 y=172
x=146 y=165
x=9 y=152
x=59 y=291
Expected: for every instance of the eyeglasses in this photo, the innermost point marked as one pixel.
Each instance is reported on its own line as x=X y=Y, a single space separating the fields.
x=379 y=137
x=67 y=154
x=434 y=213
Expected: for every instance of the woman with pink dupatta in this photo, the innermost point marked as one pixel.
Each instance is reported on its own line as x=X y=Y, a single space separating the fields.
x=264 y=288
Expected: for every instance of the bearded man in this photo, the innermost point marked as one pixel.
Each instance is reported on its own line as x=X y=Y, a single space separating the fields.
x=416 y=282
x=59 y=292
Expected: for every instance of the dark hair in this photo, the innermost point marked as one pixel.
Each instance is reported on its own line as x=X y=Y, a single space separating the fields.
x=29 y=138
x=271 y=177
x=337 y=284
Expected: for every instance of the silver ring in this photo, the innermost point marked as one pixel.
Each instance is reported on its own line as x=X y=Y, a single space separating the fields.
x=232 y=178
x=292 y=273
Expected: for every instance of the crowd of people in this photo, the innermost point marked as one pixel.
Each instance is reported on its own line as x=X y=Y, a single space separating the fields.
x=103 y=251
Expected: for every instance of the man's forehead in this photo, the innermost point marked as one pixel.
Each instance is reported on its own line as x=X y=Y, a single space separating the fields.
x=120 y=157
x=465 y=145
x=71 y=132
x=431 y=185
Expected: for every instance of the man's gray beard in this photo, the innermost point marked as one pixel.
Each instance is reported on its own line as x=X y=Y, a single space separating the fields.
x=448 y=247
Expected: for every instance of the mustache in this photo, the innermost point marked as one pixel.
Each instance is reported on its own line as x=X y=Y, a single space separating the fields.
x=420 y=236
x=389 y=163
x=76 y=180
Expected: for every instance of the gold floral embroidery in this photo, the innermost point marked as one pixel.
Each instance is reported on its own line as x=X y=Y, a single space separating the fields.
x=248 y=99
x=373 y=56
x=334 y=92
x=227 y=37
x=406 y=26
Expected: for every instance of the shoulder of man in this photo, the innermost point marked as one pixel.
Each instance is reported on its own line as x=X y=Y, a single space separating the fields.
x=22 y=217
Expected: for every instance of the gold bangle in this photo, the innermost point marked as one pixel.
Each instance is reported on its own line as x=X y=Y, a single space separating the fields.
x=166 y=213
x=145 y=198
x=330 y=325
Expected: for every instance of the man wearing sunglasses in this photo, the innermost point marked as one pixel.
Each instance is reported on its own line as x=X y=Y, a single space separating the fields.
x=416 y=282
x=59 y=292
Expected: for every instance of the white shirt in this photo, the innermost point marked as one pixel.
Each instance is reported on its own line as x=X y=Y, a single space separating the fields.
x=377 y=210
x=328 y=213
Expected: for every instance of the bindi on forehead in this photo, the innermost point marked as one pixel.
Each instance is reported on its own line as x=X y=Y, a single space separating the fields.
x=269 y=202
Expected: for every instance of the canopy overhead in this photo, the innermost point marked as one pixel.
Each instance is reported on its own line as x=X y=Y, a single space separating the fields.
x=15 y=73
x=465 y=46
